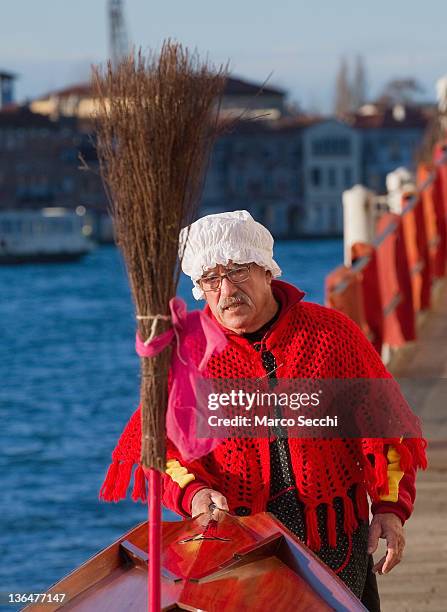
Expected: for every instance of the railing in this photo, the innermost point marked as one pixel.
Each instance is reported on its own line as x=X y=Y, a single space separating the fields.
x=393 y=259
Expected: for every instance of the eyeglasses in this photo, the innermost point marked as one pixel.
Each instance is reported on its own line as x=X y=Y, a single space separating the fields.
x=214 y=281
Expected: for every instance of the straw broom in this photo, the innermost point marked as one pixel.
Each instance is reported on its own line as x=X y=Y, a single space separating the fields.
x=155 y=126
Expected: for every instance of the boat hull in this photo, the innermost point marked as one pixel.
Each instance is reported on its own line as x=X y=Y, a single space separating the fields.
x=10 y=259
x=249 y=564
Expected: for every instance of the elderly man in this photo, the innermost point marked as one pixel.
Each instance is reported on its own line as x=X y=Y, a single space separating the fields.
x=317 y=488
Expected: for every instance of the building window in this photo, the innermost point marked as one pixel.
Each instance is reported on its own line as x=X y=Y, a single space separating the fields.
x=68 y=184
x=332 y=176
x=239 y=184
x=374 y=181
x=240 y=152
x=347 y=177
x=282 y=185
x=71 y=155
x=296 y=155
x=394 y=151
x=333 y=217
x=223 y=165
x=6 y=226
x=318 y=215
x=268 y=183
x=254 y=187
x=370 y=152
x=222 y=182
x=315 y=176
x=324 y=147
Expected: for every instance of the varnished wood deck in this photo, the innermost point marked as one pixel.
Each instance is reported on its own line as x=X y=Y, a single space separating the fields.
x=419 y=583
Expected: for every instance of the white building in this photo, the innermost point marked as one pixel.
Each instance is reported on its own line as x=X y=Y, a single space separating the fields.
x=331 y=164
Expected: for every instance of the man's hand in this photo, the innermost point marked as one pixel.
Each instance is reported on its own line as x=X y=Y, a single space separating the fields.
x=203 y=499
x=388 y=527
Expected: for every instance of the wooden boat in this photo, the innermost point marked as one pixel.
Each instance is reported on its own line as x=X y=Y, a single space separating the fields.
x=245 y=564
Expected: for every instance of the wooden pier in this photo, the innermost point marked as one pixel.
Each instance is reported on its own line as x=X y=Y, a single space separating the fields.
x=419 y=583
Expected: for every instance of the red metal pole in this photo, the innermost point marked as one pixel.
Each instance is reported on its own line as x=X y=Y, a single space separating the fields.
x=154 y=536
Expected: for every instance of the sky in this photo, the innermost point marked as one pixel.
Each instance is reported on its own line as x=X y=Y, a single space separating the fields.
x=296 y=43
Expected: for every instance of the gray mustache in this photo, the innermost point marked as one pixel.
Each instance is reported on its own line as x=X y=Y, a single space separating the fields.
x=233 y=301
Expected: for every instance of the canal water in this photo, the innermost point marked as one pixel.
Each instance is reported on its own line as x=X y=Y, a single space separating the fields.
x=69 y=382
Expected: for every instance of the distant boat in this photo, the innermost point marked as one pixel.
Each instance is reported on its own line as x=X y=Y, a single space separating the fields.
x=46 y=235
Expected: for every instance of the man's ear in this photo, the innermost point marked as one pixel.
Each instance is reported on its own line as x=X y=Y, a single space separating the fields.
x=268 y=276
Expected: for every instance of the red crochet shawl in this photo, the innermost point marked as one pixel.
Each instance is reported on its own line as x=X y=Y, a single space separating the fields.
x=310 y=341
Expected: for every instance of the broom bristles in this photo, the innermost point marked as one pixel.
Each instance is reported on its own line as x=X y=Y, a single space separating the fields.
x=155 y=126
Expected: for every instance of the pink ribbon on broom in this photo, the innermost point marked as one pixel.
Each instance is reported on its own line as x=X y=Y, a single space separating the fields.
x=181 y=415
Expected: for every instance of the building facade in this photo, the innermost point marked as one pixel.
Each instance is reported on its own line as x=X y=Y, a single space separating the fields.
x=288 y=171
x=258 y=166
x=291 y=173
x=331 y=164
x=390 y=139
x=40 y=162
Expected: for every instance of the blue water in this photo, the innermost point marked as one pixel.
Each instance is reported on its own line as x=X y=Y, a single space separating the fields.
x=69 y=382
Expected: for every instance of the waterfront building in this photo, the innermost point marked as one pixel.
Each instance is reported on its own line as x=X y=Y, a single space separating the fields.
x=291 y=173
x=289 y=170
x=258 y=166
x=39 y=163
x=390 y=139
x=331 y=164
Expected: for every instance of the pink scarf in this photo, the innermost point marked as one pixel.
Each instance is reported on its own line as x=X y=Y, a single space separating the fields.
x=181 y=412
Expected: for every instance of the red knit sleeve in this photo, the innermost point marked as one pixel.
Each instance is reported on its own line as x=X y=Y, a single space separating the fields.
x=181 y=481
x=179 y=500
x=403 y=507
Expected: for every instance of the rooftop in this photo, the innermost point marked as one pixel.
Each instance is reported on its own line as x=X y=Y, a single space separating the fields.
x=234 y=87
x=17 y=116
x=373 y=116
x=7 y=75
x=282 y=125
x=242 y=87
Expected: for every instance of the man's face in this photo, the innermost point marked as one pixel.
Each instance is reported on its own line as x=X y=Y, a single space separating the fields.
x=241 y=306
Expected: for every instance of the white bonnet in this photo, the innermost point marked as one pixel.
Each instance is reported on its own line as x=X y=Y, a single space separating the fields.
x=217 y=239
